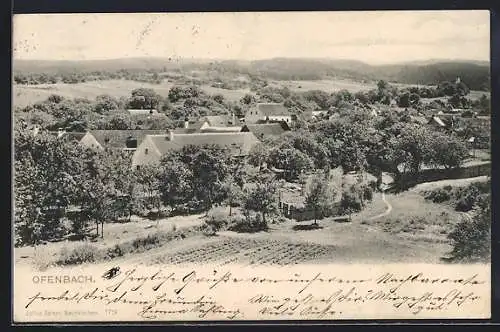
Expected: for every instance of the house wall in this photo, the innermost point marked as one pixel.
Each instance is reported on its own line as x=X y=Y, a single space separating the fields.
x=145 y=154
x=253 y=115
x=89 y=141
x=301 y=214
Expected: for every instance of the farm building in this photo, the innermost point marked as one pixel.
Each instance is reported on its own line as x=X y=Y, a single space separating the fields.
x=215 y=121
x=265 y=130
x=268 y=112
x=154 y=147
x=122 y=139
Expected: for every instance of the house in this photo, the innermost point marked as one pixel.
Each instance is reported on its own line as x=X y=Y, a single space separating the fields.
x=213 y=121
x=262 y=131
x=220 y=123
x=142 y=112
x=85 y=139
x=154 y=147
x=268 y=112
x=123 y=139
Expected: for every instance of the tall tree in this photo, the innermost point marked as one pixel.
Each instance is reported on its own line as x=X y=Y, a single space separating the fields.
x=262 y=197
x=258 y=155
x=144 y=98
x=447 y=151
x=319 y=197
x=292 y=161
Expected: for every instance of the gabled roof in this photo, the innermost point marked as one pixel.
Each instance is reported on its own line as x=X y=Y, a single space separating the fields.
x=189 y=130
x=266 y=130
x=273 y=109
x=118 y=138
x=221 y=130
x=69 y=135
x=239 y=143
x=437 y=120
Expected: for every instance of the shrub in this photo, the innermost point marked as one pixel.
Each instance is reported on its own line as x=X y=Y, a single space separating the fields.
x=116 y=251
x=367 y=193
x=472 y=236
x=463 y=198
x=148 y=242
x=465 y=203
x=42 y=259
x=306 y=227
x=251 y=223
x=217 y=219
x=78 y=225
x=438 y=195
x=350 y=202
x=85 y=253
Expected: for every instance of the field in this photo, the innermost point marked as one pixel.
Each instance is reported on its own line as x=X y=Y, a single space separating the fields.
x=28 y=94
x=324 y=85
x=24 y=95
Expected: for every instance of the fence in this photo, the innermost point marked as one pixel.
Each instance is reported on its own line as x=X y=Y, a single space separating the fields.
x=428 y=175
x=291 y=211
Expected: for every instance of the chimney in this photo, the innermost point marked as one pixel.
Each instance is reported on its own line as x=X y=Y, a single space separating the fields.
x=171 y=135
x=234 y=119
x=60 y=132
x=186 y=123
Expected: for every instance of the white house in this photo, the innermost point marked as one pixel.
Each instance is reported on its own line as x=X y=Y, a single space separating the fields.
x=154 y=147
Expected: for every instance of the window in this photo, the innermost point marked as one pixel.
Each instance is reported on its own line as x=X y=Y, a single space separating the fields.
x=138 y=167
x=146 y=151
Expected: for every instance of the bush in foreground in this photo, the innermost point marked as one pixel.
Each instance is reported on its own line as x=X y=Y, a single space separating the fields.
x=471 y=237
x=85 y=253
x=252 y=222
x=216 y=220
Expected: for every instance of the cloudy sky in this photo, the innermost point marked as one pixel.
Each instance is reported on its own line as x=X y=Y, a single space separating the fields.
x=374 y=37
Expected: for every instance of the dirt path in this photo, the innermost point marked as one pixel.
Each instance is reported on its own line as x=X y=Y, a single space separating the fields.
x=389 y=209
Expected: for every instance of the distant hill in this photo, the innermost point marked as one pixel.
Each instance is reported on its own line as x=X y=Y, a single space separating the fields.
x=477 y=77
x=476 y=74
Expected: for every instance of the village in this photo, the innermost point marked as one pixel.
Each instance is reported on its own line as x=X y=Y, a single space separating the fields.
x=267 y=171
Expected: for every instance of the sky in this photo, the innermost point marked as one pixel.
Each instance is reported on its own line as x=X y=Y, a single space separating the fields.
x=373 y=37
